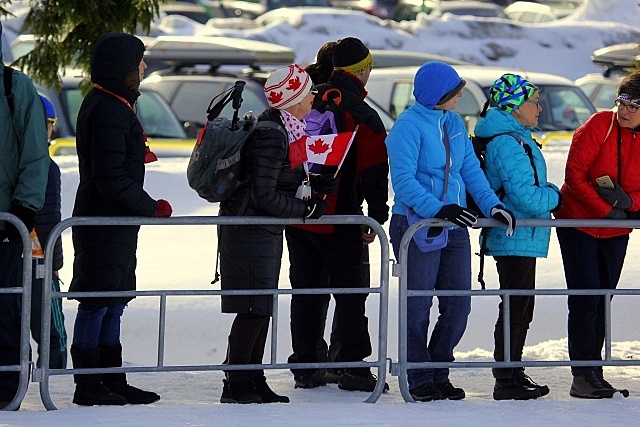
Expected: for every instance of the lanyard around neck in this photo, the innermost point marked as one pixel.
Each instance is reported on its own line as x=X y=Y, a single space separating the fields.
x=149 y=155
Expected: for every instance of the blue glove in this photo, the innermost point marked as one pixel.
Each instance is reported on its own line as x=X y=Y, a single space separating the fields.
x=458 y=215
x=506 y=217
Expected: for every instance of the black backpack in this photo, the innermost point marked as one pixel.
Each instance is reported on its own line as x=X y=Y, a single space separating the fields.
x=480 y=148
x=214 y=167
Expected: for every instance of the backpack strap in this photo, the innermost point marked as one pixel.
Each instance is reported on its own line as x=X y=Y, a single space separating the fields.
x=501 y=193
x=8 y=85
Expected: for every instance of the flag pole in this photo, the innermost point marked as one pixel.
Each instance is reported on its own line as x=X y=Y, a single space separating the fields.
x=335 y=175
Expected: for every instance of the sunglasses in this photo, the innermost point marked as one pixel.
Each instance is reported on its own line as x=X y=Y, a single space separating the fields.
x=631 y=107
x=53 y=121
x=313 y=91
x=534 y=101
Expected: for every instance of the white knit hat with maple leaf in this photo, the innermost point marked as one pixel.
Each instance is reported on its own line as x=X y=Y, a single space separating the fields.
x=287 y=86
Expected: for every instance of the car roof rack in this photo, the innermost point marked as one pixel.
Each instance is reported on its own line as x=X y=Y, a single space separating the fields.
x=179 y=52
x=618 y=57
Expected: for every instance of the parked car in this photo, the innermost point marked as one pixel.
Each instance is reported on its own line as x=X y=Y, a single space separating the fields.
x=564 y=106
x=197 y=12
x=380 y=8
x=401 y=58
x=253 y=8
x=530 y=13
x=407 y=10
x=600 y=89
x=202 y=67
x=166 y=134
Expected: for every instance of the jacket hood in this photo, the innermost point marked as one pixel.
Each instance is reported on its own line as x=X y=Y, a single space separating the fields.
x=497 y=122
x=114 y=57
x=433 y=81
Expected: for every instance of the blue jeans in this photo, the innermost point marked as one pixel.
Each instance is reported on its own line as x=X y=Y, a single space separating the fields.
x=589 y=263
x=445 y=269
x=96 y=326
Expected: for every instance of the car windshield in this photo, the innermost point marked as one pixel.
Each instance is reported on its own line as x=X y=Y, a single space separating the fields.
x=563 y=107
x=156 y=117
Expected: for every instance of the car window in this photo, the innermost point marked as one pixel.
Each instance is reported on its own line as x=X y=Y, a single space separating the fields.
x=401 y=98
x=191 y=100
x=157 y=118
x=387 y=120
x=606 y=96
x=563 y=107
x=71 y=100
x=589 y=89
x=251 y=101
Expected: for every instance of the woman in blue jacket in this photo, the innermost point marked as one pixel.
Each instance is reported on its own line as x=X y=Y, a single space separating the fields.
x=517 y=172
x=417 y=155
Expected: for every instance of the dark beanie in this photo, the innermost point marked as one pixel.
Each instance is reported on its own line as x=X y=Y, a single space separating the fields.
x=351 y=55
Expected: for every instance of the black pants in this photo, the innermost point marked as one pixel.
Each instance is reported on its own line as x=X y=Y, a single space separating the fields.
x=318 y=261
x=10 y=318
x=589 y=263
x=514 y=272
x=247 y=339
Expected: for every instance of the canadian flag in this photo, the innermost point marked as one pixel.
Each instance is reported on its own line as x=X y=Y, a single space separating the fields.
x=327 y=150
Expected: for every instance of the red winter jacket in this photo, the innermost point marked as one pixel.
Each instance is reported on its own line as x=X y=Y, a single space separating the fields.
x=594 y=153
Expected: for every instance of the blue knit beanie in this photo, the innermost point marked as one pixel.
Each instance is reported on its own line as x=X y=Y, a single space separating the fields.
x=436 y=83
x=49 y=111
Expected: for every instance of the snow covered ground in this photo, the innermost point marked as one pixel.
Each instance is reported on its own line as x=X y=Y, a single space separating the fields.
x=183 y=257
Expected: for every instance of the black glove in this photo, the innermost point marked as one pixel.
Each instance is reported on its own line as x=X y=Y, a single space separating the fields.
x=315 y=208
x=326 y=184
x=458 y=215
x=506 y=217
x=616 y=197
x=24 y=214
x=616 y=213
x=559 y=205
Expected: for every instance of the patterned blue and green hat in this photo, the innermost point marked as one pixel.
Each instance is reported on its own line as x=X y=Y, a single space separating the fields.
x=510 y=91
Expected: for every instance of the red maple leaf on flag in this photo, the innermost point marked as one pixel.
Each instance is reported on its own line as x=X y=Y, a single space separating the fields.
x=275 y=97
x=294 y=84
x=318 y=146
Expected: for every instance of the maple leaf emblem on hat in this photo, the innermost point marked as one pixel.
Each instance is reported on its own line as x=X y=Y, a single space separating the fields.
x=294 y=83
x=275 y=97
x=318 y=146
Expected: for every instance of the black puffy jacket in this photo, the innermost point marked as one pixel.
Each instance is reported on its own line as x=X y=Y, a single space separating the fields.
x=111 y=151
x=250 y=256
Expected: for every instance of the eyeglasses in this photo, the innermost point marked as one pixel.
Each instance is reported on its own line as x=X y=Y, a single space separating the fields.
x=632 y=108
x=534 y=101
x=53 y=121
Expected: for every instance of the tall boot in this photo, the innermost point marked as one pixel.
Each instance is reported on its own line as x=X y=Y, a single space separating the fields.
x=264 y=391
x=89 y=388
x=111 y=357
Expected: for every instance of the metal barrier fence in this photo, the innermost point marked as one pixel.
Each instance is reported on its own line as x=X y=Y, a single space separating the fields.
x=25 y=296
x=43 y=373
x=399 y=368
x=400 y=270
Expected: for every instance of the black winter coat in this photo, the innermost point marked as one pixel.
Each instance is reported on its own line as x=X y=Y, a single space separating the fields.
x=250 y=256
x=111 y=151
x=49 y=215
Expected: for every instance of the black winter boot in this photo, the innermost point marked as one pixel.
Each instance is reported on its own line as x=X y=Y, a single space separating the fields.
x=509 y=389
x=266 y=394
x=240 y=392
x=111 y=357
x=89 y=389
